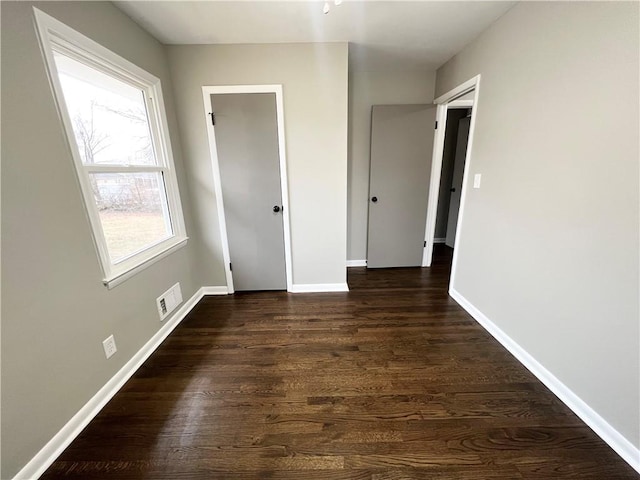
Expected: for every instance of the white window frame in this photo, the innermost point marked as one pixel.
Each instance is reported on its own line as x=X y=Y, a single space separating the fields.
x=56 y=36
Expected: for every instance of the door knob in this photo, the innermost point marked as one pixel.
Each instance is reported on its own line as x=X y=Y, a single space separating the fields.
x=276 y=209
x=452 y=190
x=374 y=199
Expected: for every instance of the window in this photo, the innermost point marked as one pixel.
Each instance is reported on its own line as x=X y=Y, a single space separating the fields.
x=114 y=119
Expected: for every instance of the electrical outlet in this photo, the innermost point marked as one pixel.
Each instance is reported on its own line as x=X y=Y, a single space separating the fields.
x=168 y=301
x=109 y=346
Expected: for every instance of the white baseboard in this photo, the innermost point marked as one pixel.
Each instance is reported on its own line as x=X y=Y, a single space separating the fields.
x=319 y=287
x=61 y=440
x=356 y=263
x=223 y=290
x=599 y=425
x=439 y=240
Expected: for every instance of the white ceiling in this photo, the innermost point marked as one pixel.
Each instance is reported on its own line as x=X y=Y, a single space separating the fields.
x=414 y=35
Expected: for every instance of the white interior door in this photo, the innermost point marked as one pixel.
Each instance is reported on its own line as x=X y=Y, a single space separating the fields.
x=246 y=134
x=456 y=183
x=401 y=153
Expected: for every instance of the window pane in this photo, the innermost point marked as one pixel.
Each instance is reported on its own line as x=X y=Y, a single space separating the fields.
x=109 y=116
x=133 y=211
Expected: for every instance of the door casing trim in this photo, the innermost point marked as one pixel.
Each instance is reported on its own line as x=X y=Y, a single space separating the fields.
x=209 y=90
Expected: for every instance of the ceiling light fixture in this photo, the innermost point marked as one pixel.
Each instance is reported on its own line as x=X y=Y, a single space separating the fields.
x=327 y=6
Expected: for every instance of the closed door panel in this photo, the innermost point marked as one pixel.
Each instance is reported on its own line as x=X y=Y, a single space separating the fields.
x=247 y=145
x=456 y=183
x=401 y=151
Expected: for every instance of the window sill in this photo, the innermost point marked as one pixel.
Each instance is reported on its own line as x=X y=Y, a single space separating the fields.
x=115 y=280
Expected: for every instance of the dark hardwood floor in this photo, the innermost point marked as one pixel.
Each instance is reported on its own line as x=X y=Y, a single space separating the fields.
x=392 y=380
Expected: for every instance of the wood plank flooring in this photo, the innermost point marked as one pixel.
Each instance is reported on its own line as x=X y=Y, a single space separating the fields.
x=392 y=380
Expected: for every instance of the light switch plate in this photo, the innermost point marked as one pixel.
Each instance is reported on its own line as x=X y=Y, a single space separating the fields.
x=476 y=180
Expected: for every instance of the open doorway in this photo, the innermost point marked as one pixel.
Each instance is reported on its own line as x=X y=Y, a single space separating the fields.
x=453 y=159
x=464 y=97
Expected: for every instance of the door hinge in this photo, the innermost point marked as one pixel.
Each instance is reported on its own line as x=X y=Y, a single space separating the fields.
x=230 y=267
x=213 y=118
x=425 y=243
x=436 y=124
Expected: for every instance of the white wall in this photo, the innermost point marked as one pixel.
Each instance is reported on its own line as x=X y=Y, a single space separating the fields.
x=314 y=79
x=55 y=310
x=367 y=88
x=549 y=247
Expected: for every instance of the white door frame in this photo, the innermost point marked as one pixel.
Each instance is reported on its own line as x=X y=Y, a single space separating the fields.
x=444 y=102
x=207 y=91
